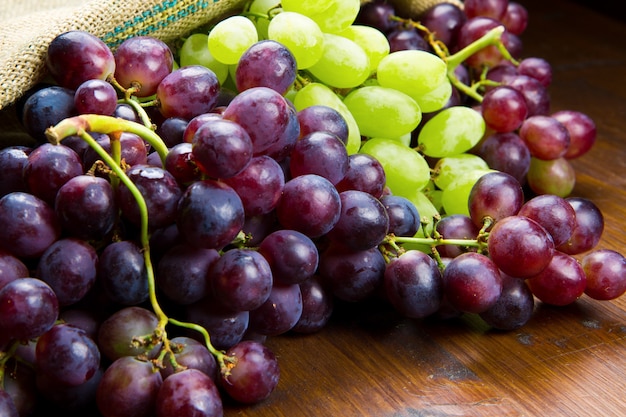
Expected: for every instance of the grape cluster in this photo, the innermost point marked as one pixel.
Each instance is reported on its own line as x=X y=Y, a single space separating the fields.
x=183 y=203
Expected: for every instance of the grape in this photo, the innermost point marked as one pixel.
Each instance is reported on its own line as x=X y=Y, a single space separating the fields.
x=515 y=18
x=554 y=213
x=536 y=95
x=195 y=51
x=67 y=355
x=116 y=332
x=133 y=150
x=561 y=283
x=292 y=256
x=556 y=176
x=383 y=112
x=267 y=63
x=414 y=284
x=28 y=308
x=496 y=195
x=504 y=109
x=180 y=163
x=310 y=204
x=300 y=34
x=321 y=118
x=319 y=153
x=350 y=275
x=514 y=307
x=225 y=326
x=196 y=122
x=472 y=283
x=182 y=273
x=187 y=92
x=122 y=273
x=7 y=405
x=69 y=398
x=449 y=168
x=307 y=7
x=12 y=161
x=28 y=225
x=76 y=56
x=520 y=246
x=363 y=222
x=319 y=94
x=377 y=14
x=545 y=136
x=506 y=152
x=338 y=16
x=230 y=38
x=142 y=62
x=605 y=270
x=188 y=393
x=343 y=63
x=405 y=38
x=405 y=170
x=452 y=131
x=365 y=173
x=69 y=267
x=260 y=11
x=455 y=226
x=455 y=196
x=404 y=219
x=444 y=19
x=317 y=306
x=96 y=97
x=128 y=387
x=192 y=354
x=241 y=279
x=11 y=268
x=537 y=68
x=279 y=312
x=588 y=228
x=259 y=185
x=210 y=214
x=221 y=148
x=473 y=29
x=582 y=132
x=45 y=108
x=255 y=374
x=160 y=191
x=373 y=42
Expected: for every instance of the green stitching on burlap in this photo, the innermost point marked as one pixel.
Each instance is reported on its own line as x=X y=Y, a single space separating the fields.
x=158 y=17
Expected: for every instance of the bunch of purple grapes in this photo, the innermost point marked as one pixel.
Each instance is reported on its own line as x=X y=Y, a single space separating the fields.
x=246 y=219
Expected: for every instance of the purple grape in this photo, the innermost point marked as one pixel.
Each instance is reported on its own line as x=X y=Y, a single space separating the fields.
x=116 y=332
x=292 y=256
x=95 y=97
x=545 y=136
x=520 y=246
x=515 y=18
x=310 y=204
x=7 y=405
x=537 y=68
x=495 y=195
x=456 y=226
x=504 y=109
x=472 y=283
x=221 y=148
x=321 y=118
x=196 y=122
x=279 y=312
x=267 y=63
x=406 y=38
x=556 y=176
x=133 y=150
x=171 y=130
x=192 y=354
x=188 y=393
x=182 y=273
x=225 y=326
x=69 y=266
x=317 y=306
x=28 y=225
x=128 y=387
x=76 y=56
x=490 y=8
x=241 y=279
x=445 y=20
x=188 y=92
x=319 y=153
x=45 y=108
x=414 y=284
x=536 y=95
x=28 y=308
x=365 y=173
x=514 y=307
x=473 y=29
x=561 y=283
x=582 y=131
x=142 y=62
x=210 y=214
x=554 y=213
x=180 y=163
x=255 y=374
x=506 y=152
x=404 y=219
x=377 y=14
x=605 y=270
x=11 y=268
x=588 y=228
x=122 y=273
x=12 y=161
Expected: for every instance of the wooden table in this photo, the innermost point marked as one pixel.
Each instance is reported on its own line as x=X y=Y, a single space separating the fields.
x=567 y=361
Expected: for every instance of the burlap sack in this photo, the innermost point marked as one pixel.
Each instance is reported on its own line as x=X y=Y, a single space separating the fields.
x=28 y=26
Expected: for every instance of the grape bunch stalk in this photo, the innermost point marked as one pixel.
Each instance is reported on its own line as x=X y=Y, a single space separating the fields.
x=183 y=203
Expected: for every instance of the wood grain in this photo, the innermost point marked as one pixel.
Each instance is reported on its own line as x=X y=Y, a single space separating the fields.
x=566 y=361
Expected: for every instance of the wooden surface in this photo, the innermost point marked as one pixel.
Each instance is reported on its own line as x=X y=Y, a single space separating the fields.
x=567 y=361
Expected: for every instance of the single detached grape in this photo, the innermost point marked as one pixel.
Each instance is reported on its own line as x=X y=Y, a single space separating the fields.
x=605 y=270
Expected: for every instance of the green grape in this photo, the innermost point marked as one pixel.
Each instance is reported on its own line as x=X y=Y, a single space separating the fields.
x=320 y=94
x=435 y=99
x=373 y=42
x=452 y=131
x=300 y=34
x=406 y=171
x=260 y=8
x=231 y=37
x=456 y=195
x=343 y=64
x=307 y=7
x=449 y=168
x=383 y=112
x=195 y=51
x=337 y=17
x=404 y=139
x=413 y=72
x=434 y=194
